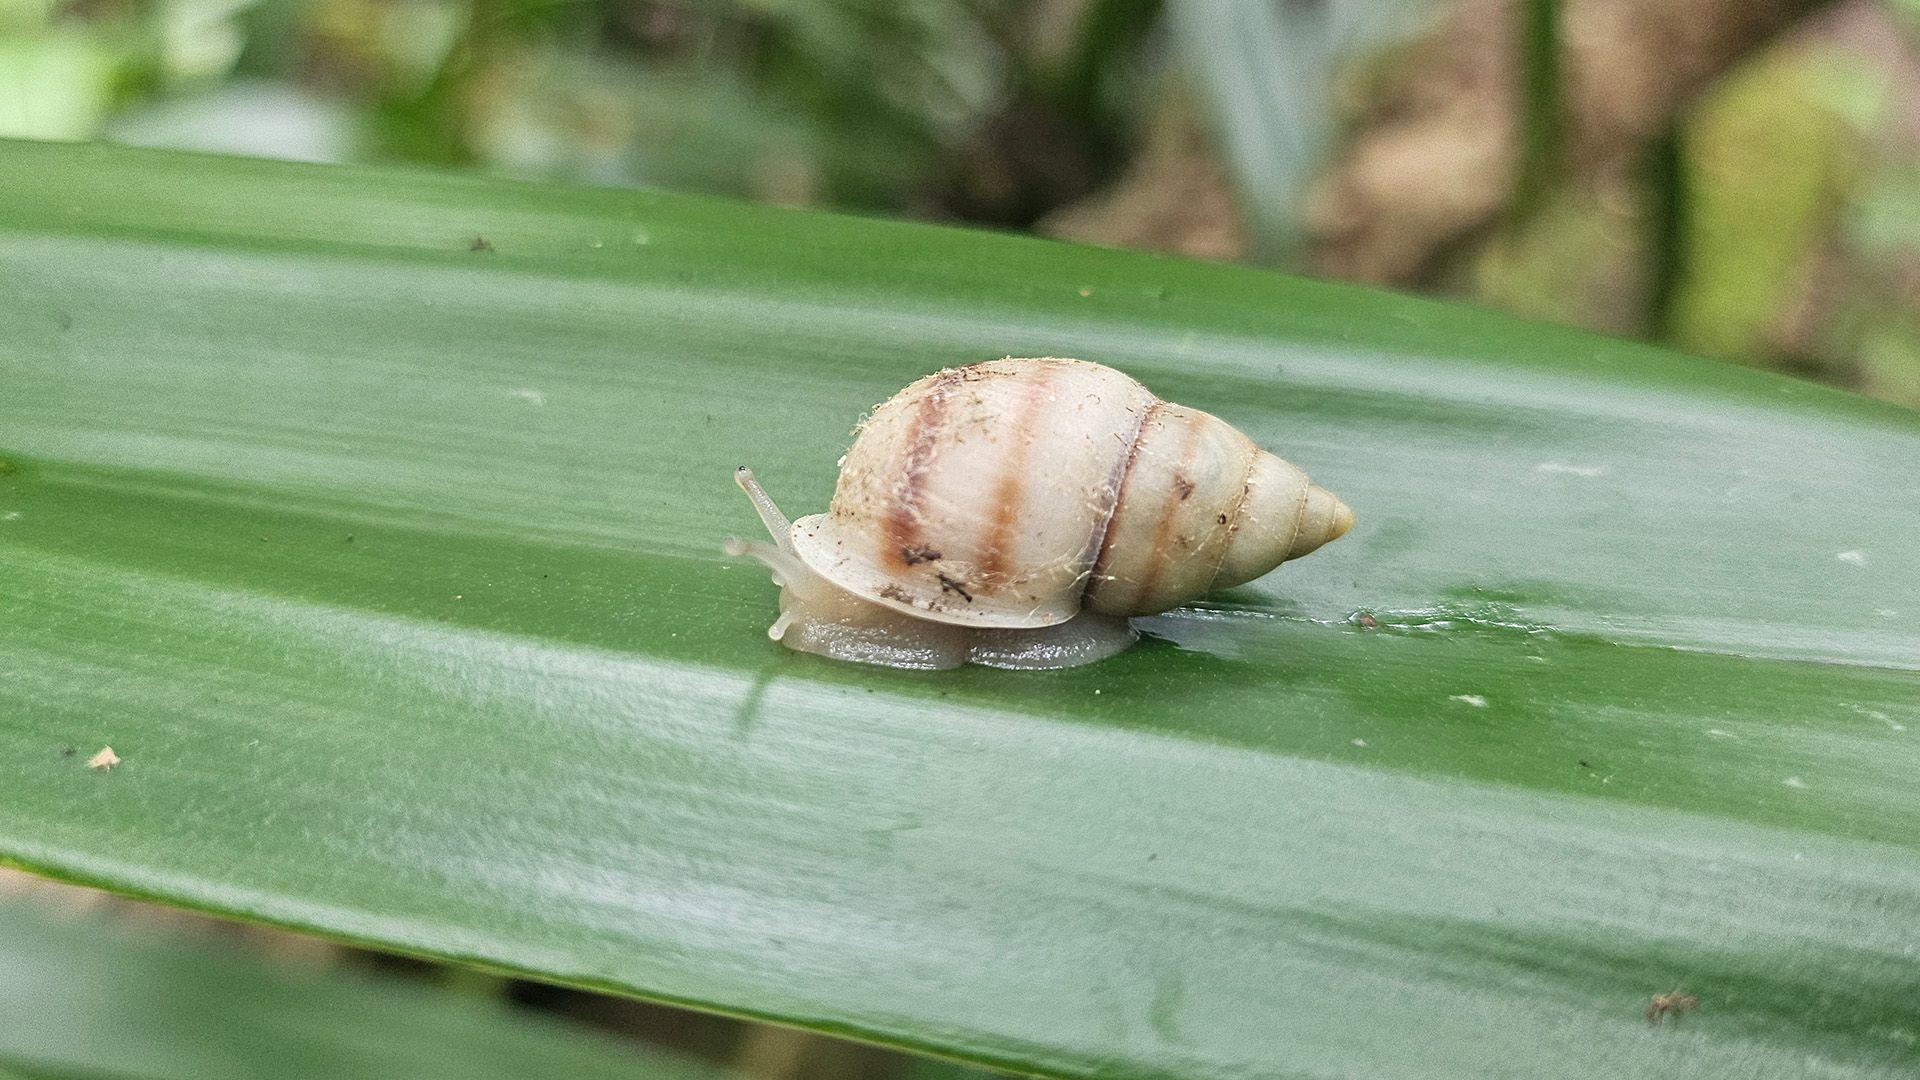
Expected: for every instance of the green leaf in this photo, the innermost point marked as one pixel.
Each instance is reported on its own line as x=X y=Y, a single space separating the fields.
x=82 y=997
x=56 y=85
x=1540 y=106
x=1267 y=72
x=389 y=568
x=1766 y=164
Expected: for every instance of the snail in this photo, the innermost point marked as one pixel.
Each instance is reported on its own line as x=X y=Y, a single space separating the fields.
x=1016 y=512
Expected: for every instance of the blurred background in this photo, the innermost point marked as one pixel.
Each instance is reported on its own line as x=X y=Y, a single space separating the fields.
x=1735 y=178
x=1738 y=178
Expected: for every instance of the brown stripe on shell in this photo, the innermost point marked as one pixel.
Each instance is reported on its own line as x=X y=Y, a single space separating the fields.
x=1009 y=496
x=904 y=516
x=1147 y=416
x=1163 y=529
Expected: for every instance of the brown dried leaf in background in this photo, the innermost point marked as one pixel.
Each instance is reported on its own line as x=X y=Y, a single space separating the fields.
x=1175 y=196
x=1433 y=161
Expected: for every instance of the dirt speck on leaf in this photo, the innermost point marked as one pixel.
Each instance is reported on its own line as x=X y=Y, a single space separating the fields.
x=104 y=760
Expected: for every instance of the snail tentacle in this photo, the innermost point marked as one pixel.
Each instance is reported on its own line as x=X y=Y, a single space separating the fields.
x=770 y=515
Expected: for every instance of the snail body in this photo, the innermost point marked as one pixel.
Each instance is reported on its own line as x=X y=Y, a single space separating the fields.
x=1016 y=512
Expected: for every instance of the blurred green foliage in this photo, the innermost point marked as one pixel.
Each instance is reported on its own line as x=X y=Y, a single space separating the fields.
x=1804 y=230
x=1269 y=73
x=847 y=103
x=1783 y=233
x=1769 y=160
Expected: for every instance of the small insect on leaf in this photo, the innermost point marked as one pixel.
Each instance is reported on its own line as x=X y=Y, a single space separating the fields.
x=1672 y=1004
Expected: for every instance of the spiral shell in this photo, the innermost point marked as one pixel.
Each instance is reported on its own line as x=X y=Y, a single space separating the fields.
x=1016 y=493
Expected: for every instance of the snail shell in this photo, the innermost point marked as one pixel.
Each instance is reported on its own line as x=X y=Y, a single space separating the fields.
x=1028 y=506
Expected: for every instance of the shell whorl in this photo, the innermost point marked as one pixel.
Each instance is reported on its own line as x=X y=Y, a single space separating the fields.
x=1202 y=508
x=1010 y=493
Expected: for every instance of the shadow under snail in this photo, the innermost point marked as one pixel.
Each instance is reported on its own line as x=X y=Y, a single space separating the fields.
x=1016 y=512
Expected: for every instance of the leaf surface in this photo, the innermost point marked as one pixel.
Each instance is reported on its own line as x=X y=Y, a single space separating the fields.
x=83 y=997
x=390 y=569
